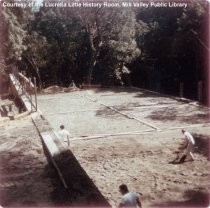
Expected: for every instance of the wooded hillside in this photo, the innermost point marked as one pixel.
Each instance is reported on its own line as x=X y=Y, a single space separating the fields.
x=154 y=48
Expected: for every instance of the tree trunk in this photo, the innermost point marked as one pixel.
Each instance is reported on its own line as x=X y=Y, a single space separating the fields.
x=91 y=68
x=35 y=67
x=38 y=75
x=95 y=50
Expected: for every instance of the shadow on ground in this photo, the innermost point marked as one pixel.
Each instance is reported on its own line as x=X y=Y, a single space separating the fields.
x=31 y=183
x=81 y=188
x=81 y=191
x=27 y=182
x=171 y=114
x=195 y=199
x=202 y=143
x=139 y=92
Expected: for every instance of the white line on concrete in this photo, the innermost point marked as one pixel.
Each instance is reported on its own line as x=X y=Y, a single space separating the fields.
x=46 y=114
x=112 y=135
x=101 y=136
x=150 y=106
x=56 y=98
x=190 y=126
x=126 y=115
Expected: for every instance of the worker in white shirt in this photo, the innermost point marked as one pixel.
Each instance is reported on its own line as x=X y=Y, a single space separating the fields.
x=64 y=135
x=129 y=199
x=189 y=145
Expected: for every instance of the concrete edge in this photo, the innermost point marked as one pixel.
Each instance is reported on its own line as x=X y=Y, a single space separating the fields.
x=182 y=99
x=49 y=143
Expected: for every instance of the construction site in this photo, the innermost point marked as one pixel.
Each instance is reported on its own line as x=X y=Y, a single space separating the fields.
x=97 y=96
x=118 y=135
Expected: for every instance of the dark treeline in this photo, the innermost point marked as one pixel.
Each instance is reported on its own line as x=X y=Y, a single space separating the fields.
x=155 y=48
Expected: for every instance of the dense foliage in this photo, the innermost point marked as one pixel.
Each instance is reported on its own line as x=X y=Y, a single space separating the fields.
x=154 y=48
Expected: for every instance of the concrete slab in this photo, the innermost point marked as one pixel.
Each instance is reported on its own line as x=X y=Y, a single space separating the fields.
x=119 y=110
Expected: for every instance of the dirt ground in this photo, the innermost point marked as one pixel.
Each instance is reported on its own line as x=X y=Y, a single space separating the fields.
x=118 y=136
x=130 y=136
x=26 y=177
x=142 y=162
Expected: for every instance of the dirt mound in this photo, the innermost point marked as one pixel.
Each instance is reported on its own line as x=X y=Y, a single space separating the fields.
x=53 y=89
x=70 y=89
x=58 y=89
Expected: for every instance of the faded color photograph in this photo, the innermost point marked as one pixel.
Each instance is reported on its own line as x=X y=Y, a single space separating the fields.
x=104 y=103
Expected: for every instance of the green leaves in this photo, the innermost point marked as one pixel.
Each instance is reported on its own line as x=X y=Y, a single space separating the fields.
x=15 y=36
x=107 y=45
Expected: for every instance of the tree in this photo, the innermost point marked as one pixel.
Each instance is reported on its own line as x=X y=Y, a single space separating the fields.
x=15 y=36
x=111 y=36
x=66 y=45
x=192 y=35
x=167 y=40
